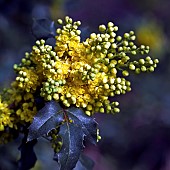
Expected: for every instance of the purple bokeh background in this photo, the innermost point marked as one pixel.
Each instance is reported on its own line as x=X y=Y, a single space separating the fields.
x=138 y=138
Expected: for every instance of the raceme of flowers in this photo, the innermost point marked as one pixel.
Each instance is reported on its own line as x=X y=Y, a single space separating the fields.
x=84 y=74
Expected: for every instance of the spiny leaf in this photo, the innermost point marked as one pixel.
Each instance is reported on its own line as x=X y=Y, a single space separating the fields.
x=45 y=120
x=74 y=125
x=28 y=157
x=69 y=154
x=88 y=124
x=73 y=134
x=43 y=28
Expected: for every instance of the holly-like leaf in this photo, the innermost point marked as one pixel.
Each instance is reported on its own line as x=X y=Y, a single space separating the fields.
x=72 y=137
x=87 y=123
x=77 y=126
x=45 y=120
x=74 y=125
x=28 y=156
x=43 y=28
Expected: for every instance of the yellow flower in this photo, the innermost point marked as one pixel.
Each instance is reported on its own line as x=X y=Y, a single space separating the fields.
x=78 y=73
x=5 y=119
x=28 y=79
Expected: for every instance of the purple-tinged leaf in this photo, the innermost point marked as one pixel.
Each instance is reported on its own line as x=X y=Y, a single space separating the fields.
x=87 y=123
x=43 y=28
x=72 y=137
x=28 y=156
x=45 y=120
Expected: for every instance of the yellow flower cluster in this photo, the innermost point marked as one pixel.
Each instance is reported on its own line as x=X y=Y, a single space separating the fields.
x=16 y=107
x=5 y=113
x=84 y=74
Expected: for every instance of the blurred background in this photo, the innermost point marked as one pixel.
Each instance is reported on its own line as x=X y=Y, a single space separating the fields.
x=138 y=138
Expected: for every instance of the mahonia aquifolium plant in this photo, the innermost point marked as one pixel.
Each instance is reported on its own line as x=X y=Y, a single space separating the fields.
x=58 y=88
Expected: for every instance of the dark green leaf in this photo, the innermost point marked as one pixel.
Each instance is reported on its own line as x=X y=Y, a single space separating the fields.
x=28 y=157
x=45 y=120
x=72 y=137
x=43 y=28
x=87 y=123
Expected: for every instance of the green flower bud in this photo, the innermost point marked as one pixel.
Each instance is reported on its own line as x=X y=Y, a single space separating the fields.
x=68 y=95
x=126 y=35
x=78 y=23
x=99 y=39
x=106 y=86
x=112 y=34
x=99 y=104
x=107 y=45
x=128 y=88
x=118 y=92
x=114 y=45
x=148 y=58
x=131 y=66
x=112 y=87
x=42 y=42
x=88 y=113
x=116 y=28
x=108 y=107
x=110 y=24
x=56 y=96
x=110 y=55
x=143 y=68
x=131 y=33
x=141 y=61
x=23 y=60
x=120 y=49
x=26 y=80
x=2 y=127
x=134 y=47
x=128 y=83
x=101 y=110
x=112 y=94
x=21 y=79
x=119 y=38
x=150 y=62
x=73 y=99
x=137 y=70
x=93 y=36
x=60 y=21
x=151 y=69
x=113 y=71
x=131 y=44
x=119 y=86
x=111 y=40
x=125 y=43
x=89 y=107
x=66 y=103
x=116 y=110
x=118 y=80
x=102 y=28
x=116 y=103
x=49 y=97
x=98 y=47
x=133 y=52
x=125 y=73
x=133 y=37
x=156 y=61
